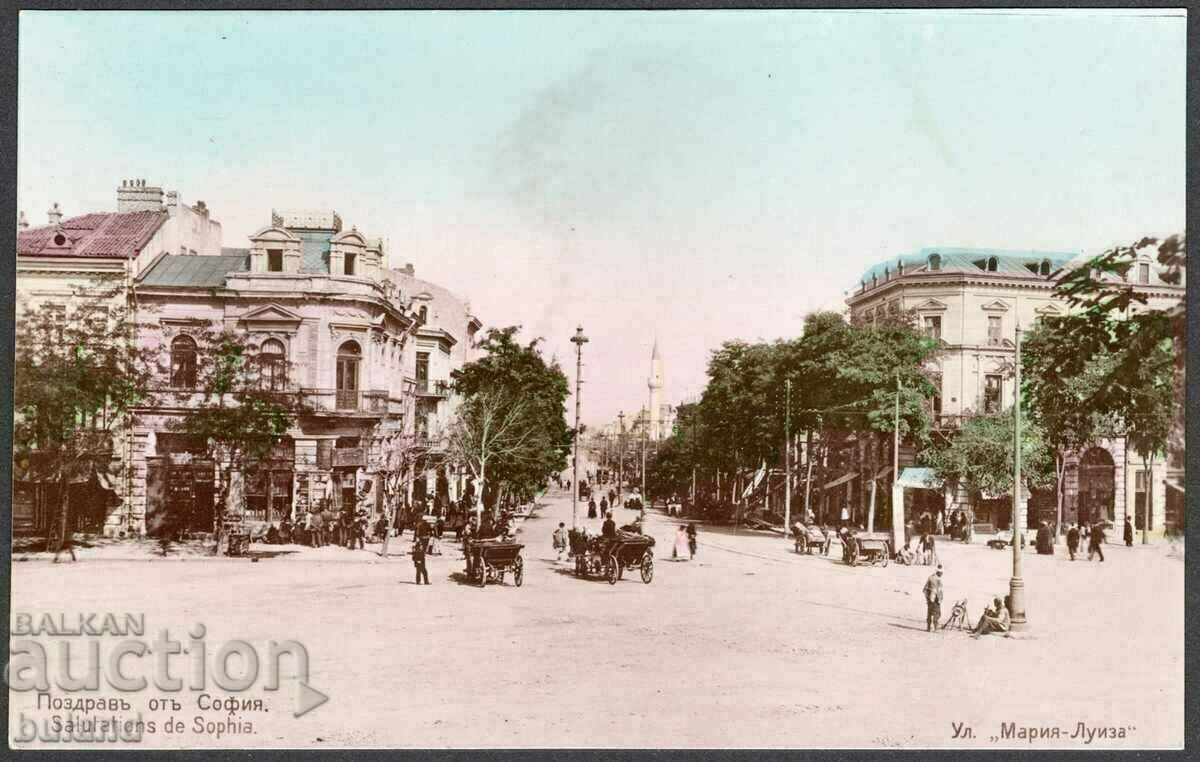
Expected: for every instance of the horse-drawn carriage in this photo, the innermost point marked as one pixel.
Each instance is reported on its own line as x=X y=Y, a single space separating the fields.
x=809 y=539
x=609 y=557
x=862 y=549
x=488 y=560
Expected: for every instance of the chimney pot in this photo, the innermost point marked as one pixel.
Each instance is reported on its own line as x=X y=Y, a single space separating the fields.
x=55 y=214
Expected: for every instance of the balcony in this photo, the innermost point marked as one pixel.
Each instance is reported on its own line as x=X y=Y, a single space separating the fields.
x=429 y=388
x=347 y=401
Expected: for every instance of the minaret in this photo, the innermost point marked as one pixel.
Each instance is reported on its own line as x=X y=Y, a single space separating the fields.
x=655 y=384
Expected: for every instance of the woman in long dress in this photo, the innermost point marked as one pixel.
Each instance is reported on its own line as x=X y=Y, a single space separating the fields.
x=680 y=550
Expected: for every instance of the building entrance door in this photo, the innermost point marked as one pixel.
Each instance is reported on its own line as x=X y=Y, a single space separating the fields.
x=1097 y=475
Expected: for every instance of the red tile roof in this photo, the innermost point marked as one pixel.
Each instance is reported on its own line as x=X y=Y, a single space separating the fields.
x=105 y=234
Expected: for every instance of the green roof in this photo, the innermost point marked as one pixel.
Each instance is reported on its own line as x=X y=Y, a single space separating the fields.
x=194 y=270
x=961 y=260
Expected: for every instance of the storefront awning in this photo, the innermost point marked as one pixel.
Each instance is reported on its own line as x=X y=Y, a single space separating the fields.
x=840 y=480
x=919 y=478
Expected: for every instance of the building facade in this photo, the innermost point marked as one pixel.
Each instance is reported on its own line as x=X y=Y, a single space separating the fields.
x=973 y=301
x=368 y=350
x=89 y=263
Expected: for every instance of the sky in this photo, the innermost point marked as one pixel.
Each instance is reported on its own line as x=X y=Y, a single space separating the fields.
x=694 y=177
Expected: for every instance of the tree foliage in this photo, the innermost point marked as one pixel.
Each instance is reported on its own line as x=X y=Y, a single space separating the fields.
x=980 y=456
x=510 y=428
x=76 y=378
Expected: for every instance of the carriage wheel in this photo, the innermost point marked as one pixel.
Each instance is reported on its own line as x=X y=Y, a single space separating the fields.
x=518 y=571
x=801 y=544
x=612 y=571
x=647 y=568
x=853 y=559
x=484 y=571
x=885 y=559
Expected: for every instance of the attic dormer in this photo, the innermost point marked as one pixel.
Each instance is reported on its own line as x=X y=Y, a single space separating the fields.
x=346 y=252
x=274 y=249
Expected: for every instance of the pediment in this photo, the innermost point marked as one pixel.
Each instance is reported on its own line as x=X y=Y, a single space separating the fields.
x=996 y=306
x=271 y=313
x=932 y=305
x=275 y=234
x=351 y=237
x=1048 y=309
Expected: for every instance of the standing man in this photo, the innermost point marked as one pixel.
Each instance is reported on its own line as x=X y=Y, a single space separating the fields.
x=418 y=558
x=560 y=540
x=1096 y=541
x=933 y=600
x=1128 y=532
x=1073 y=540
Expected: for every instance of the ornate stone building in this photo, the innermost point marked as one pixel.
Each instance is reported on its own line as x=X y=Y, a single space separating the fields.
x=88 y=264
x=369 y=351
x=972 y=301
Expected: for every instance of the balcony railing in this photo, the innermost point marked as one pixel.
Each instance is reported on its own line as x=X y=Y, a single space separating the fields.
x=373 y=401
x=431 y=388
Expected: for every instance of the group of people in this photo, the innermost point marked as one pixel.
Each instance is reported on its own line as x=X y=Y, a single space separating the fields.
x=321 y=528
x=995 y=618
x=1095 y=537
x=918 y=551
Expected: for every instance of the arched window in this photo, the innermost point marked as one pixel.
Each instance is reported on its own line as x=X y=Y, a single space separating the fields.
x=935 y=262
x=992 y=264
x=1044 y=267
x=424 y=314
x=273 y=359
x=183 y=362
x=348 y=358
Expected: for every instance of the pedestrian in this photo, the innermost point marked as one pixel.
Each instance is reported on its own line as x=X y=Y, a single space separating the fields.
x=1045 y=540
x=1096 y=542
x=933 y=600
x=1073 y=540
x=682 y=543
x=691 y=533
x=845 y=514
x=927 y=549
x=316 y=528
x=560 y=540
x=994 y=619
x=1128 y=533
x=418 y=559
x=592 y=507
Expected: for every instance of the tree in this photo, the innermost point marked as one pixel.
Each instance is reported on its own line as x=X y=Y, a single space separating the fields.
x=239 y=409
x=76 y=379
x=1140 y=378
x=1060 y=396
x=511 y=429
x=400 y=454
x=981 y=456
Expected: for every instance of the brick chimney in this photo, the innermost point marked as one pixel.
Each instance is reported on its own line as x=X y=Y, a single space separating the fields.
x=22 y=223
x=55 y=214
x=136 y=196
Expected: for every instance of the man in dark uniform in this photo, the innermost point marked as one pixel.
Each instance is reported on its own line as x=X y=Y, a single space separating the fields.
x=1096 y=542
x=1073 y=540
x=418 y=559
x=1128 y=533
x=933 y=600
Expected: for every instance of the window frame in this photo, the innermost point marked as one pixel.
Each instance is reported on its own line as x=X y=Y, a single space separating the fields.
x=274 y=257
x=185 y=362
x=273 y=374
x=999 y=396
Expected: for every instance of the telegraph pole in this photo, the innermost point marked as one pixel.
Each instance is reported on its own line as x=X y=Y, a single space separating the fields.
x=621 y=461
x=896 y=436
x=1016 y=586
x=578 y=340
x=787 y=458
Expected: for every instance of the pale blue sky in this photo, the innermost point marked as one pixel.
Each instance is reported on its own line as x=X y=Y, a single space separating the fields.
x=699 y=175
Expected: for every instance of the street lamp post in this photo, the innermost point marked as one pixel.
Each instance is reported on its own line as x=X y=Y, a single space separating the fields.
x=645 y=423
x=1016 y=586
x=620 y=455
x=578 y=340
